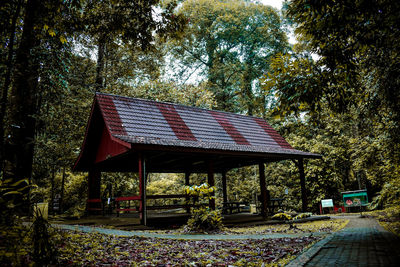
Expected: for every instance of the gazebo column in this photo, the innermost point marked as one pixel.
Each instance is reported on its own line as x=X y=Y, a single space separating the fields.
x=142 y=190
x=263 y=189
x=224 y=193
x=211 y=182
x=302 y=185
x=94 y=180
x=187 y=183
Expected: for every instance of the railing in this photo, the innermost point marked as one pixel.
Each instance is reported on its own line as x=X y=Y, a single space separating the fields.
x=128 y=204
x=132 y=203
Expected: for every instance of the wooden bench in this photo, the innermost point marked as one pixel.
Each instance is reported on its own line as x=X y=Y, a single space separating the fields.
x=127 y=207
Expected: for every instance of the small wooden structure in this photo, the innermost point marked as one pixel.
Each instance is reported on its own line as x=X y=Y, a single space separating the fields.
x=136 y=135
x=354 y=199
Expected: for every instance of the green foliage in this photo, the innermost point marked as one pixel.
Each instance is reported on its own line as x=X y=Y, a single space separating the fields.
x=302 y=216
x=203 y=191
x=388 y=196
x=243 y=184
x=294 y=80
x=282 y=216
x=349 y=42
x=12 y=196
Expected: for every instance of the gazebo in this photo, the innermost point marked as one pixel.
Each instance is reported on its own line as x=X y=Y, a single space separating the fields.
x=127 y=134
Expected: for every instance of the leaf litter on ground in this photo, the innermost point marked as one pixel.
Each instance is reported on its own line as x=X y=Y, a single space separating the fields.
x=78 y=248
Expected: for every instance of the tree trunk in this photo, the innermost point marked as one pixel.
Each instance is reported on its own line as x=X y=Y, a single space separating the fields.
x=100 y=63
x=62 y=191
x=304 y=203
x=23 y=102
x=53 y=178
x=7 y=80
x=247 y=91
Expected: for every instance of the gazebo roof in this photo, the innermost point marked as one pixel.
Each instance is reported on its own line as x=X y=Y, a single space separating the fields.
x=176 y=138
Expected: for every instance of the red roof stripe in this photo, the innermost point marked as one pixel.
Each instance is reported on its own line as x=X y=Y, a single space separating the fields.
x=112 y=118
x=229 y=128
x=181 y=130
x=274 y=134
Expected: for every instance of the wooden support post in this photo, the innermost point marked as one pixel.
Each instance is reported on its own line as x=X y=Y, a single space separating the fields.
x=210 y=176
x=302 y=185
x=263 y=189
x=94 y=180
x=224 y=193
x=187 y=183
x=142 y=190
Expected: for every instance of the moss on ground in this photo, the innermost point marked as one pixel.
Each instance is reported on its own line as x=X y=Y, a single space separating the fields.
x=329 y=226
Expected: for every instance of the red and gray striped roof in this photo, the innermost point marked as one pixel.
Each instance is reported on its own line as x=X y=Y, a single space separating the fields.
x=140 y=121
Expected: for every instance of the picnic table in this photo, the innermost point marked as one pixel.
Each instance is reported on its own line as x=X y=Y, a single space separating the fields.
x=233 y=206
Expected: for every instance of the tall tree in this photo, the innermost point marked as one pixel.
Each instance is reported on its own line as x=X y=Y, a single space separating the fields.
x=136 y=24
x=354 y=83
x=359 y=49
x=230 y=43
x=23 y=100
x=43 y=52
x=7 y=59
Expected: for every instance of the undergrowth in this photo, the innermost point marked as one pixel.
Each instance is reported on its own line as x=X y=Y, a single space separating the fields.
x=389 y=218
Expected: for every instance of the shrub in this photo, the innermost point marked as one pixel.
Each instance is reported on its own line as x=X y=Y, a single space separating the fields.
x=281 y=216
x=202 y=218
x=44 y=251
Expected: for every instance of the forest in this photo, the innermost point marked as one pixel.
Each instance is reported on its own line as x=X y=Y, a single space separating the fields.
x=334 y=91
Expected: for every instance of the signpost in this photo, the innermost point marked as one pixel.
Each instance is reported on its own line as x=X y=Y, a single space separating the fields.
x=326 y=203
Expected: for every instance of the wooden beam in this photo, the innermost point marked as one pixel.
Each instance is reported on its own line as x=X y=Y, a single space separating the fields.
x=304 y=203
x=263 y=189
x=211 y=182
x=142 y=190
x=224 y=193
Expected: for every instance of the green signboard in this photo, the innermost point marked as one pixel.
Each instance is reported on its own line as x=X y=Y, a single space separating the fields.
x=355 y=198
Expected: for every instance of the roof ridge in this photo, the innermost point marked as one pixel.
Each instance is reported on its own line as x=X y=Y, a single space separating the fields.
x=180 y=105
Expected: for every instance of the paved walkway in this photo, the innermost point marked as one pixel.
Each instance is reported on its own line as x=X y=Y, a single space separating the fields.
x=363 y=242
x=89 y=229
